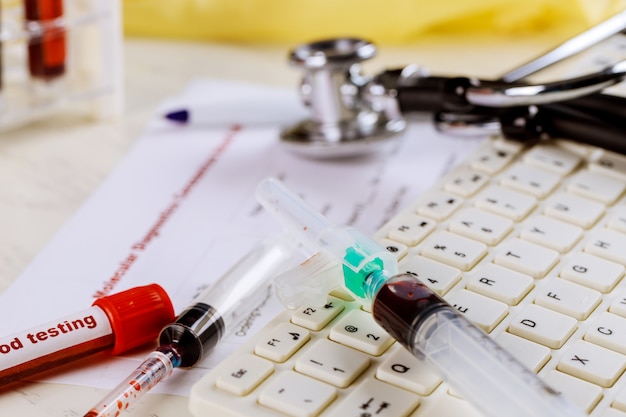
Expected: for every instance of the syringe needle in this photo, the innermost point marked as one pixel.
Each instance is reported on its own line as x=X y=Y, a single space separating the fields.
x=468 y=359
x=155 y=368
x=198 y=329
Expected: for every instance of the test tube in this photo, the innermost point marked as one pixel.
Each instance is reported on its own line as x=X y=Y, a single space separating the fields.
x=117 y=323
x=47 y=41
x=1 y=63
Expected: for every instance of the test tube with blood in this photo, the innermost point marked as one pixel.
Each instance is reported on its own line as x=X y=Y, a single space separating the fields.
x=115 y=323
x=47 y=38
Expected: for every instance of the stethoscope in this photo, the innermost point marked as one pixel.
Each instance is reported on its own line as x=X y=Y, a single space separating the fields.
x=354 y=114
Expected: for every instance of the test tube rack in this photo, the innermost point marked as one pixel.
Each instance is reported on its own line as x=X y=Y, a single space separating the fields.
x=60 y=57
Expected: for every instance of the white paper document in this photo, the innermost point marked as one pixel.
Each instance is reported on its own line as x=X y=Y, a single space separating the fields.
x=180 y=210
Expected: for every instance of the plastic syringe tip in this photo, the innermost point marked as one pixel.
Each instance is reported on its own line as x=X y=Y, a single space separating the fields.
x=298 y=217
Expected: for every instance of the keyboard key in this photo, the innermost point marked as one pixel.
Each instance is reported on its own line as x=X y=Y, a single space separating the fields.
x=528 y=179
x=482 y=311
x=608 y=244
x=527 y=258
x=617 y=221
x=332 y=363
x=610 y=164
x=592 y=272
x=357 y=330
x=282 y=342
x=592 y=363
x=609 y=331
x=619 y=401
x=513 y=146
x=481 y=225
x=618 y=306
x=243 y=374
x=552 y=158
x=404 y=370
x=543 y=326
x=577 y=148
x=448 y=406
x=492 y=160
x=410 y=229
x=466 y=182
x=533 y=355
x=437 y=276
x=568 y=298
x=457 y=251
x=574 y=209
x=506 y=202
x=499 y=283
x=613 y=412
x=596 y=186
x=399 y=250
x=296 y=395
x=375 y=398
x=583 y=394
x=551 y=233
x=341 y=293
x=316 y=318
x=439 y=205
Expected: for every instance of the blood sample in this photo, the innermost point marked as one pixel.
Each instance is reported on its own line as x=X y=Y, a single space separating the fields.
x=117 y=323
x=47 y=41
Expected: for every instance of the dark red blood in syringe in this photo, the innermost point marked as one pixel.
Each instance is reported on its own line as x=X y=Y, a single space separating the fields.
x=401 y=303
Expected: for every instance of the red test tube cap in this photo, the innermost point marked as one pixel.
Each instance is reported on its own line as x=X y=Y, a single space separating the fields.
x=137 y=315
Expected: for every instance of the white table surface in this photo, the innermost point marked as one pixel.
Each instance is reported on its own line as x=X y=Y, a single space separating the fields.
x=49 y=168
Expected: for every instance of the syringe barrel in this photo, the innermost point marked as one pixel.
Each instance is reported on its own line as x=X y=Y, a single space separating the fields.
x=479 y=368
x=217 y=310
x=462 y=354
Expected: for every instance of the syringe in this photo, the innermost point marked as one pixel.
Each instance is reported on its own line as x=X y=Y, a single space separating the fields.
x=198 y=329
x=468 y=359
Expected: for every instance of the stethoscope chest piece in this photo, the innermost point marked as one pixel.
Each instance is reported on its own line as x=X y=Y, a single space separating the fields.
x=348 y=118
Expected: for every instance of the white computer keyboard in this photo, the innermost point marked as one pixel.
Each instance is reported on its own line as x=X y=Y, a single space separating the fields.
x=528 y=242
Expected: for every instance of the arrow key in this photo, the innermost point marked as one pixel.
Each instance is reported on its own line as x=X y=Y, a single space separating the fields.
x=377 y=399
x=297 y=395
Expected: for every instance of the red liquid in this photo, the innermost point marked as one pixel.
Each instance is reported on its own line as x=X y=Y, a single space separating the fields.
x=1 y=64
x=55 y=359
x=46 y=52
x=401 y=304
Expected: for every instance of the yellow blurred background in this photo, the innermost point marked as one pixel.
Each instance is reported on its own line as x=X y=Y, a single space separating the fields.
x=382 y=21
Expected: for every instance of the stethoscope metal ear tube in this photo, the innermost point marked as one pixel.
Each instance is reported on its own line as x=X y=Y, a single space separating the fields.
x=578 y=43
x=441 y=93
x=497 y=94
